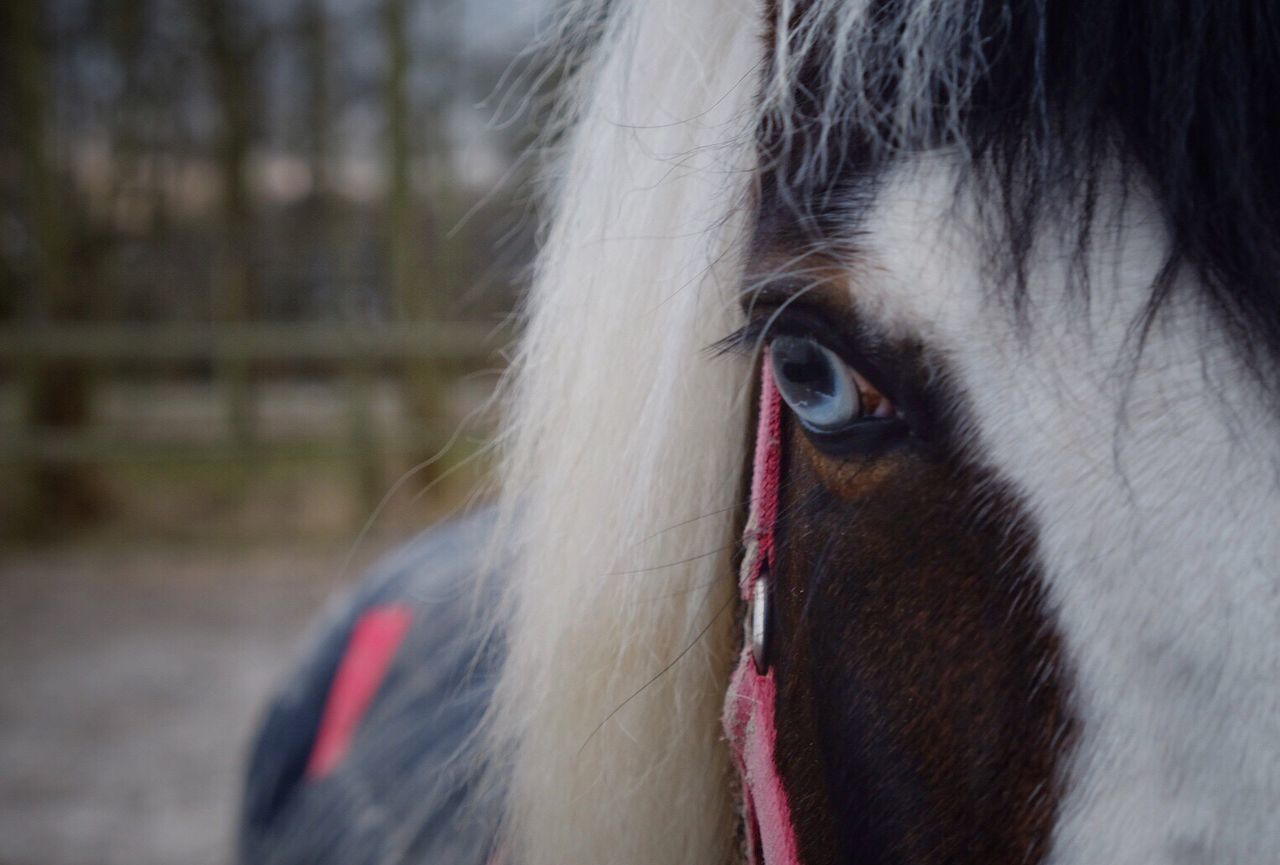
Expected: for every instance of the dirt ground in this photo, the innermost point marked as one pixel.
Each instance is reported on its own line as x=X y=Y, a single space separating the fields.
x=130 y=682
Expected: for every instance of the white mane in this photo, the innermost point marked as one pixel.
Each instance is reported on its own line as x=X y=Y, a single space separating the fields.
x=626 y=446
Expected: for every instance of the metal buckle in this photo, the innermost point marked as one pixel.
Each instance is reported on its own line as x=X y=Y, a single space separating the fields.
x=759 y=618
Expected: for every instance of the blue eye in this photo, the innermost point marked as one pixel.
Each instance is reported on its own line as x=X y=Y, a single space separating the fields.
x=821 y=389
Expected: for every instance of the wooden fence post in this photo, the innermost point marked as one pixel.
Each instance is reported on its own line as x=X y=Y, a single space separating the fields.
x=365 y=456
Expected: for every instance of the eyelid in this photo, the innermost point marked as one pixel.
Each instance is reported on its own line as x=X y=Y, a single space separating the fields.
x=797 y=319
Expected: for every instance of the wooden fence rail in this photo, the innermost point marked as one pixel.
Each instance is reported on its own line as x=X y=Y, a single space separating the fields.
x=241 y=356
x=263 y=342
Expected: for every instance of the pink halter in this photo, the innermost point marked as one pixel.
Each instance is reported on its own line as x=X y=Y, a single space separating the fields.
x=750 y=703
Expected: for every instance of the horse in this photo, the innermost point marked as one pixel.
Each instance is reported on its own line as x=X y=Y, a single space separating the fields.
x=891 y=455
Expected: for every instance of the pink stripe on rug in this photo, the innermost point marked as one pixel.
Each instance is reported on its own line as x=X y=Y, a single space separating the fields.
x=375 y=639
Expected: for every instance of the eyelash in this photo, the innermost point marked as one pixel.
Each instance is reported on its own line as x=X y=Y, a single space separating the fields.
x=745 y=340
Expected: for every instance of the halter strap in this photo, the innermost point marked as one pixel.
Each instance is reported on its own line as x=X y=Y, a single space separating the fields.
x=749 y=717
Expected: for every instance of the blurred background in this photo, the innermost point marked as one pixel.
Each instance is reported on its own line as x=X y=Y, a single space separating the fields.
x=257 y=259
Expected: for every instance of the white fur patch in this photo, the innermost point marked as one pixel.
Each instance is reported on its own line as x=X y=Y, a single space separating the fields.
x=1158 y=527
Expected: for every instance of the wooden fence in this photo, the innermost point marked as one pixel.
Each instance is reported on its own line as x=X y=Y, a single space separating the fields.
x=240 y=358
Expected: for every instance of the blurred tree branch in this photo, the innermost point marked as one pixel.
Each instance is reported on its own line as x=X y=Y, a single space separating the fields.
x=58 y=391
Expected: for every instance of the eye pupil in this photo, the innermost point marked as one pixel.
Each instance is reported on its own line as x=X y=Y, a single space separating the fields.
x=812 y=372
x=817 y=385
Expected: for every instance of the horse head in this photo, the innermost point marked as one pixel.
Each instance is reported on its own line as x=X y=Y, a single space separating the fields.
x=1004 y=275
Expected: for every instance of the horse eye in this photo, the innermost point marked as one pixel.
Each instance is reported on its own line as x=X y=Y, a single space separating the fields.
x=822 y=390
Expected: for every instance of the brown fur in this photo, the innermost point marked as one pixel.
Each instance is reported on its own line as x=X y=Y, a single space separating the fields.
x=921 y=704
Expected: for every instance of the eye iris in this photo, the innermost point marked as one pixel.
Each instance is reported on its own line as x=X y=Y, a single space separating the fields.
x=817 y=385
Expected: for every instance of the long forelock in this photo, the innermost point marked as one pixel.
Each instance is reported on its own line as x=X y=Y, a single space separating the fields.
x=1047 y=107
